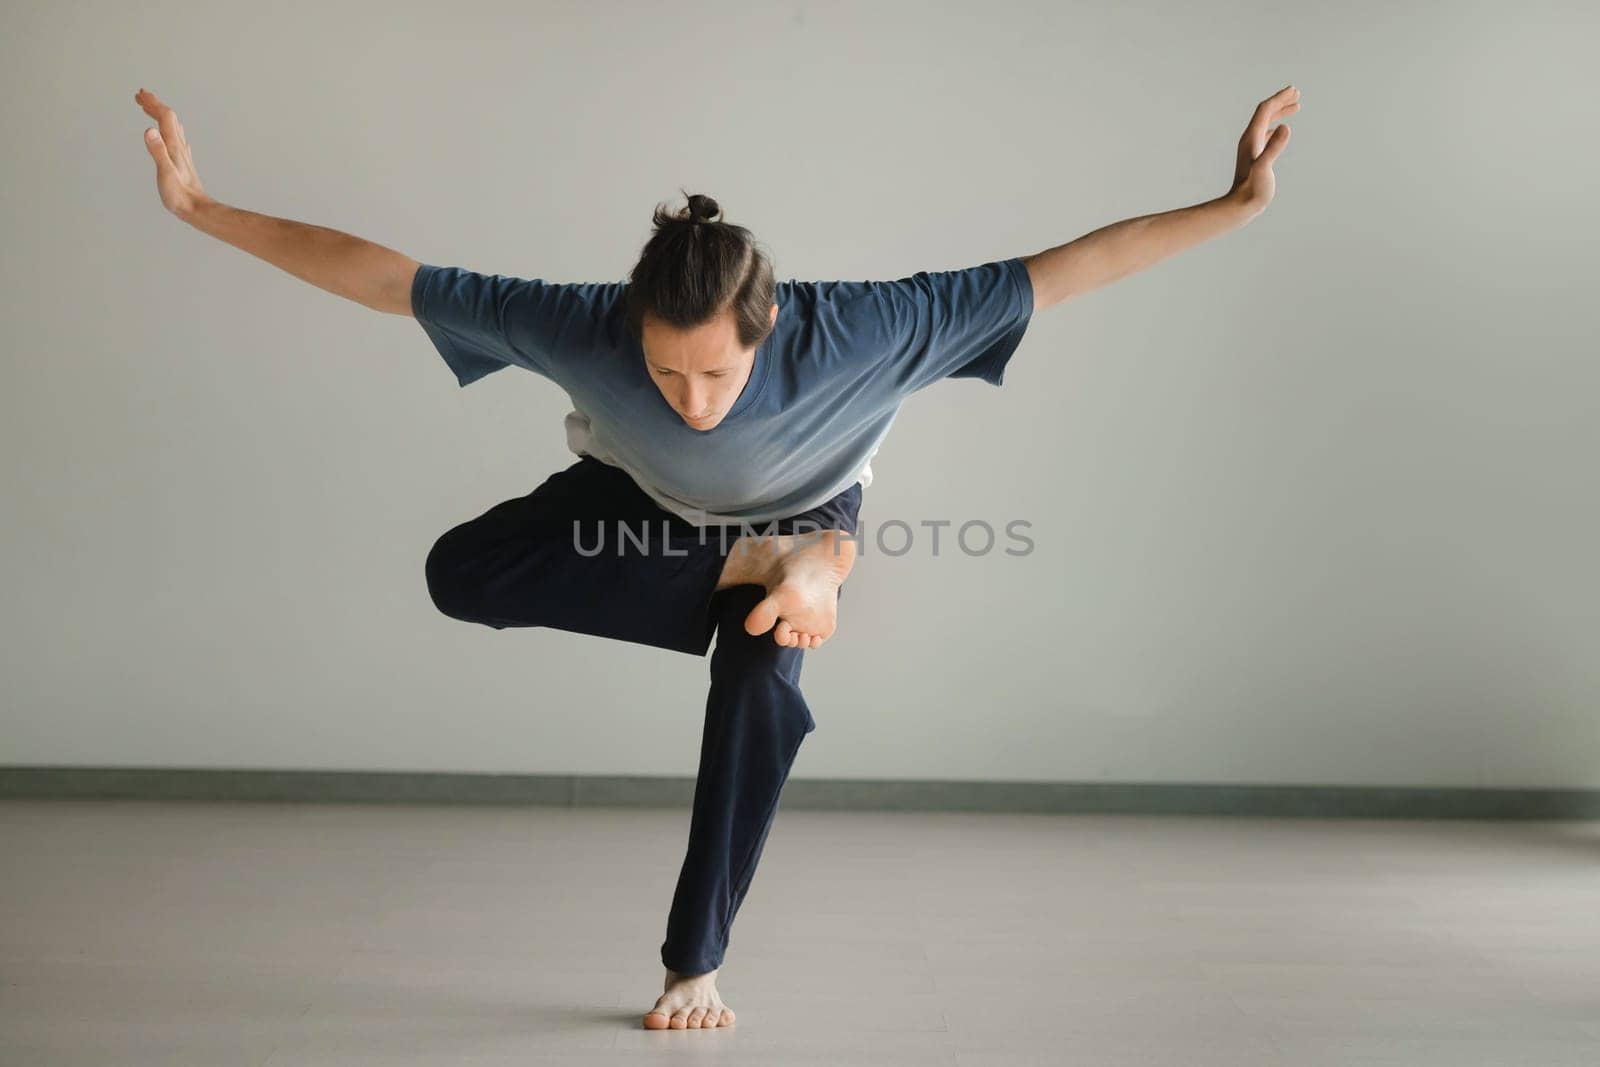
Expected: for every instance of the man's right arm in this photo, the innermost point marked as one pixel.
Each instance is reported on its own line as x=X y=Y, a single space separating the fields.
x=343 y=264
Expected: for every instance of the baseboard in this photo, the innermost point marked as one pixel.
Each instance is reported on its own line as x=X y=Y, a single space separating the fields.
x=843 y=794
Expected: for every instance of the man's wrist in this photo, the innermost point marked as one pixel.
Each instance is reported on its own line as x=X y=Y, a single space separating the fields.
x=1241 y=208
x=198 y=210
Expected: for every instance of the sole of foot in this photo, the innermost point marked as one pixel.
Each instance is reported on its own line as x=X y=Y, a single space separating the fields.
x=802 y=602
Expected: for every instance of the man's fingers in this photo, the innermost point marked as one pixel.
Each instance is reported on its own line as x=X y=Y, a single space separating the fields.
x=167 y=119
x=1283 y=102
x=172 y=134
x=158 y=151
x=1276 y=144
x=150 y=102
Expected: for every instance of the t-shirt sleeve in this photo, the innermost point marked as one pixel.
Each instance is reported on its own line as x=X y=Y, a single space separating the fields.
x=482 y=322
x=952 y=324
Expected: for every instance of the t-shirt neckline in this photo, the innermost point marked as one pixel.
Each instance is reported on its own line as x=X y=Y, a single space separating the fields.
x=753 y=387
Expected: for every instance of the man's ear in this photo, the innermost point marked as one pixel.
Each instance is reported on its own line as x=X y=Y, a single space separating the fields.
x=774 y=317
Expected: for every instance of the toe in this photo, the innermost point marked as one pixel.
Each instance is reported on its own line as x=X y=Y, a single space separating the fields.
x=783 y=633
x=695 y=1017
x=655 y=1020
x=680 y=1019
x=727 y=1017
x=761 y=618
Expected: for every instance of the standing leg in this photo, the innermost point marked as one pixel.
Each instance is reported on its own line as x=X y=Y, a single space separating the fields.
x=755 y=721
x=756 y=718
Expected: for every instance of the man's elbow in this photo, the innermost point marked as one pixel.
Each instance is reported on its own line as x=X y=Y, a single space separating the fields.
x=394 y=293
x=1044 y=295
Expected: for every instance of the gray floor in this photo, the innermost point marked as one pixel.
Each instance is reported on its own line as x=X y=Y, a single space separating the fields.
x=173 y=933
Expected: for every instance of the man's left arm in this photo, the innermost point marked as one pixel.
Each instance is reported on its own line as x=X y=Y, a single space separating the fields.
x=1129 y=246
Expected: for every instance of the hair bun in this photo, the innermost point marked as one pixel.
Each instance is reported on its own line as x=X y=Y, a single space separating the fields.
x=701 y=209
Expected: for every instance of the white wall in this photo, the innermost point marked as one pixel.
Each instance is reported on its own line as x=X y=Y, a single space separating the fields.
x=1312 y=504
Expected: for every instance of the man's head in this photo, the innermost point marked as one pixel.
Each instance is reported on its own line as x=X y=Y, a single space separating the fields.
x=700 y=302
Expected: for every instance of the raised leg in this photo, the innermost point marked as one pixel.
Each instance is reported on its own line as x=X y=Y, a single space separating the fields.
x=589 y=552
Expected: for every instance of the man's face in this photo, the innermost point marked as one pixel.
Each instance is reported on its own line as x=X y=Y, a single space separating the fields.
x=700 y=371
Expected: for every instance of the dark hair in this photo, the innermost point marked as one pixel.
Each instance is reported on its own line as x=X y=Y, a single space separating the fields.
x=693 y=268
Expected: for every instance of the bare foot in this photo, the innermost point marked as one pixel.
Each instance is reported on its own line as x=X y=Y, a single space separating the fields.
x=801 y=574
x=689 y=1003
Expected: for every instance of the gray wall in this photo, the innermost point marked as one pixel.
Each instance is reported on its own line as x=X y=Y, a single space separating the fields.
x=1312 y=503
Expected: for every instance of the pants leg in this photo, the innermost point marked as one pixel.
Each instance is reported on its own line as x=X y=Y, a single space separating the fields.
x=756 y=719
x=554 y=558
x=588 y=552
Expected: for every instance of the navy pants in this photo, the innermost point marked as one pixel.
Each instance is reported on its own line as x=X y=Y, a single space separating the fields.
x=589 y=552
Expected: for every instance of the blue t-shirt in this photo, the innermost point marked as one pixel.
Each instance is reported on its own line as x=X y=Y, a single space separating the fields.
x=825 y=387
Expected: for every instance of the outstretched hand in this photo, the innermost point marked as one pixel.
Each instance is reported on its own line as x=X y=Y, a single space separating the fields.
x=1253 y=183
x=176 y=179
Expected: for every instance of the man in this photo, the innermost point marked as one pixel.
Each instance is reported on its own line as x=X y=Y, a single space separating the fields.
x=709 y=399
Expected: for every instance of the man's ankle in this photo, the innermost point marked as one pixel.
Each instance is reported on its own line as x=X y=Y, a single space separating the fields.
x=749 y=562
